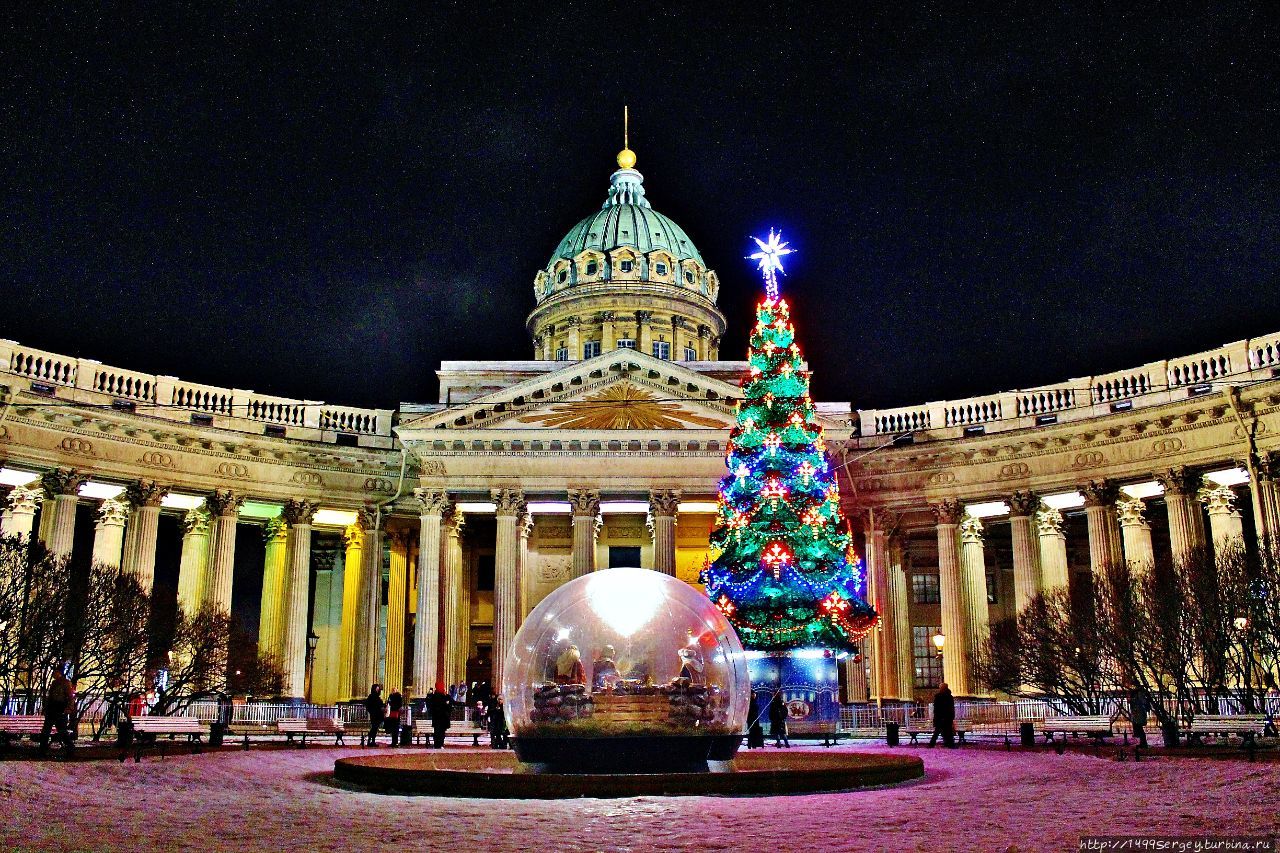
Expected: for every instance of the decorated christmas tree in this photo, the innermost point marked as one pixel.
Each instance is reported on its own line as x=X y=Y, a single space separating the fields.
x=782 y=568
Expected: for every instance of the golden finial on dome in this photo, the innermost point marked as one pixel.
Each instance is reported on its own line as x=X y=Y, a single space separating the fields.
x=626 y=157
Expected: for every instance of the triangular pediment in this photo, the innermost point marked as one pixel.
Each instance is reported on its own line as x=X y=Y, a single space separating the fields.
x=620 y=390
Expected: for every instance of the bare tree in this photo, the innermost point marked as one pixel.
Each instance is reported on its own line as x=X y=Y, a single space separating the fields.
x=33 y=607
x=249 y=672
x=196 y=662
x=109 y=641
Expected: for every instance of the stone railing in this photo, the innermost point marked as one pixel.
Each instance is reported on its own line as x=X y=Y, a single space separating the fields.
x=82 y=380
x=1079 y=399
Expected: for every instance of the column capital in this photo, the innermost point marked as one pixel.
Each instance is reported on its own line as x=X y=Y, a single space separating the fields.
x=585 y=501
x=664 y=502
x=432 y=501
x=298 y=512
x=113 y=512
x=1131 y=512
x=401 y=538
x=62 y=481
x=369 y=518
x=971 y=530
x=1100 y=493
x=224 y=503
x=1218 y=500
x=275 y=530
x=454 y=520
x=508 y=501
x=1179 y=481
x=1048 y=521
x=142 y=493
x=1023 y=503
x=948 y=511
x=643 y=317
x=353 y=536
x=524 y=524
x=196 y=520
x=608 y=316
x=23 y=499
x=1269 y=465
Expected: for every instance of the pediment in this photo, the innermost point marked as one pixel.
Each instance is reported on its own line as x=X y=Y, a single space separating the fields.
x=621 y=390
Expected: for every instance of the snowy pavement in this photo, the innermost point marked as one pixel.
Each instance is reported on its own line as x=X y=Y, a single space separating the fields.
x=970 y=799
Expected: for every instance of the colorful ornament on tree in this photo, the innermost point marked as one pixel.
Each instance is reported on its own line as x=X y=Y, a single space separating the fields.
x=783 y=570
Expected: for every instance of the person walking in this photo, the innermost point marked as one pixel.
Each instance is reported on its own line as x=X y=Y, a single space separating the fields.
x=1138 y=708
x=377 y=713
x=778 y=721
x=394 y=703
x=440 y=708
x=755 y=731
x=497 y=725
x=944 y=717
x=59 y=701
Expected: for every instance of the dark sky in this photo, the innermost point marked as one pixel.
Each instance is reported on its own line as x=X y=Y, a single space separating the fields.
x=311 y=201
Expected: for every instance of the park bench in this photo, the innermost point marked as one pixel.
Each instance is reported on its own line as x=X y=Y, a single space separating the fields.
x=151 y=731
x=300 y=727
x=422 y=729
x=1098 y=727
x=13 y=727
x=1245 y=726
x=916 y=728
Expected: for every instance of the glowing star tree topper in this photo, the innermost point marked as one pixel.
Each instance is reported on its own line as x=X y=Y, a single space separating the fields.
x=782 y=569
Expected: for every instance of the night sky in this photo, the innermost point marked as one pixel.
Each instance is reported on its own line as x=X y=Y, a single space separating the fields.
x=316 y=202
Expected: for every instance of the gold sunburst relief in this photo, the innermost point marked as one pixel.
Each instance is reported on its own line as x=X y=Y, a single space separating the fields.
x=622 y=406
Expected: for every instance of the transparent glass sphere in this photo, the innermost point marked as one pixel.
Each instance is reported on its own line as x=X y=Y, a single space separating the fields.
x=625 y=653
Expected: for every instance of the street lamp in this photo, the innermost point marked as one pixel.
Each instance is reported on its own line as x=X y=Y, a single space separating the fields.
x=939 y=640
x=1242 y=625
x=313 y=640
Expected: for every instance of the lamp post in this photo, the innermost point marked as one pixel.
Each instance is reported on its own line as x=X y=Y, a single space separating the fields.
x=1242 y=626
x=313 y=640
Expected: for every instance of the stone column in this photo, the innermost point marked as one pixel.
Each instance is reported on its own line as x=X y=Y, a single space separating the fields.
x=1026 y=548
x=1100 y=498
x=397 y=609
x=1186 y=527
x=608 y=331
x=298 y=515
x=855 y=673
x=426 y=626
x=663 y=506
x=1135 y=532
x=194 y=563
x=457 y=603
x=61 y=489
x=275 y=589
x=884 y=646
x=353 y=542
x=953 y=592
x=223 y=507
x=524 y=529
x=899 y=597
x=108 y=533
x=370 y=602
x=973 y=568
x=586 y=521
x=573 y=341
x=644 y=332
x=1267 y=497
x=1053 y=549
x=704 y=343
x=1225 y=524
x=140 y=535
x=19 y=514
x=506 y=586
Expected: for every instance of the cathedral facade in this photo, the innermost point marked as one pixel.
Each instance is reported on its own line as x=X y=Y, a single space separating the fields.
x=405 y=546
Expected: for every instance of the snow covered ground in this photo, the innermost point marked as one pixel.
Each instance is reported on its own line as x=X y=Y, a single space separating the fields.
x=970 y=799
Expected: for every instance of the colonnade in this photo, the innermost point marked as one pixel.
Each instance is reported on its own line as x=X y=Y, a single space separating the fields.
x=1118 y=530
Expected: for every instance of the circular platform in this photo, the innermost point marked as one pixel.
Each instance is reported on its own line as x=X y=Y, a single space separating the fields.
x=499 y=775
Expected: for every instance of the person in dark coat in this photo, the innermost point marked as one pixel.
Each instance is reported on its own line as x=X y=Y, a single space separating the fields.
x=394 y=703
x=377 y=713
x=1138 y=708
x=944 y=717
x=440 y=709
x=755 y=731
x=778 y=721
x=59 y=701
x=497 y=724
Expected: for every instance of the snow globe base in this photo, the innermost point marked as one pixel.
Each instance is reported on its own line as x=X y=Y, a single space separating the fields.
x=658 y=754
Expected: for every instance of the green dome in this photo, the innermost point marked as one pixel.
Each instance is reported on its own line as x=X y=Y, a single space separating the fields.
x=627 y=220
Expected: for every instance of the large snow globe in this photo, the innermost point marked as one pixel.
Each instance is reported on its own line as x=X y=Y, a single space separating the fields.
x=626 y=670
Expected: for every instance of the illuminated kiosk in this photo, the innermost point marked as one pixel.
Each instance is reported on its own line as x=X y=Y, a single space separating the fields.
x=626 y=670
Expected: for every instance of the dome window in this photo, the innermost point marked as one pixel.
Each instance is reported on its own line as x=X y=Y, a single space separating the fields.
x=563 y=276
x=688 y=276
x=662 y=350
x=592 y=267
x=590 y=349
x=660 y=268
x=562 y=353
x=690 y=354
x=625 y=266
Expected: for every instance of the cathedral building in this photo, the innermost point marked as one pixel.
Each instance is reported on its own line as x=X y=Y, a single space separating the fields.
x=405 y=546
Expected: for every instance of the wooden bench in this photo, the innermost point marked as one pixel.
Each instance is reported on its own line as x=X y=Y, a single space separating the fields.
x=1098 y=727
x=422 y=729
x=1245 y=726
x=303 y=726
x=916 y=728
x=149 y=731
x=14 y=726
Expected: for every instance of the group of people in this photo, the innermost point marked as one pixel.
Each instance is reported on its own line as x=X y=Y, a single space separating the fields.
x=777 y=711
x=438 y=707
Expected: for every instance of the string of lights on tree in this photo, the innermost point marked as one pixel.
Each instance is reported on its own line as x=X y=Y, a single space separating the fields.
x=781 y=566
